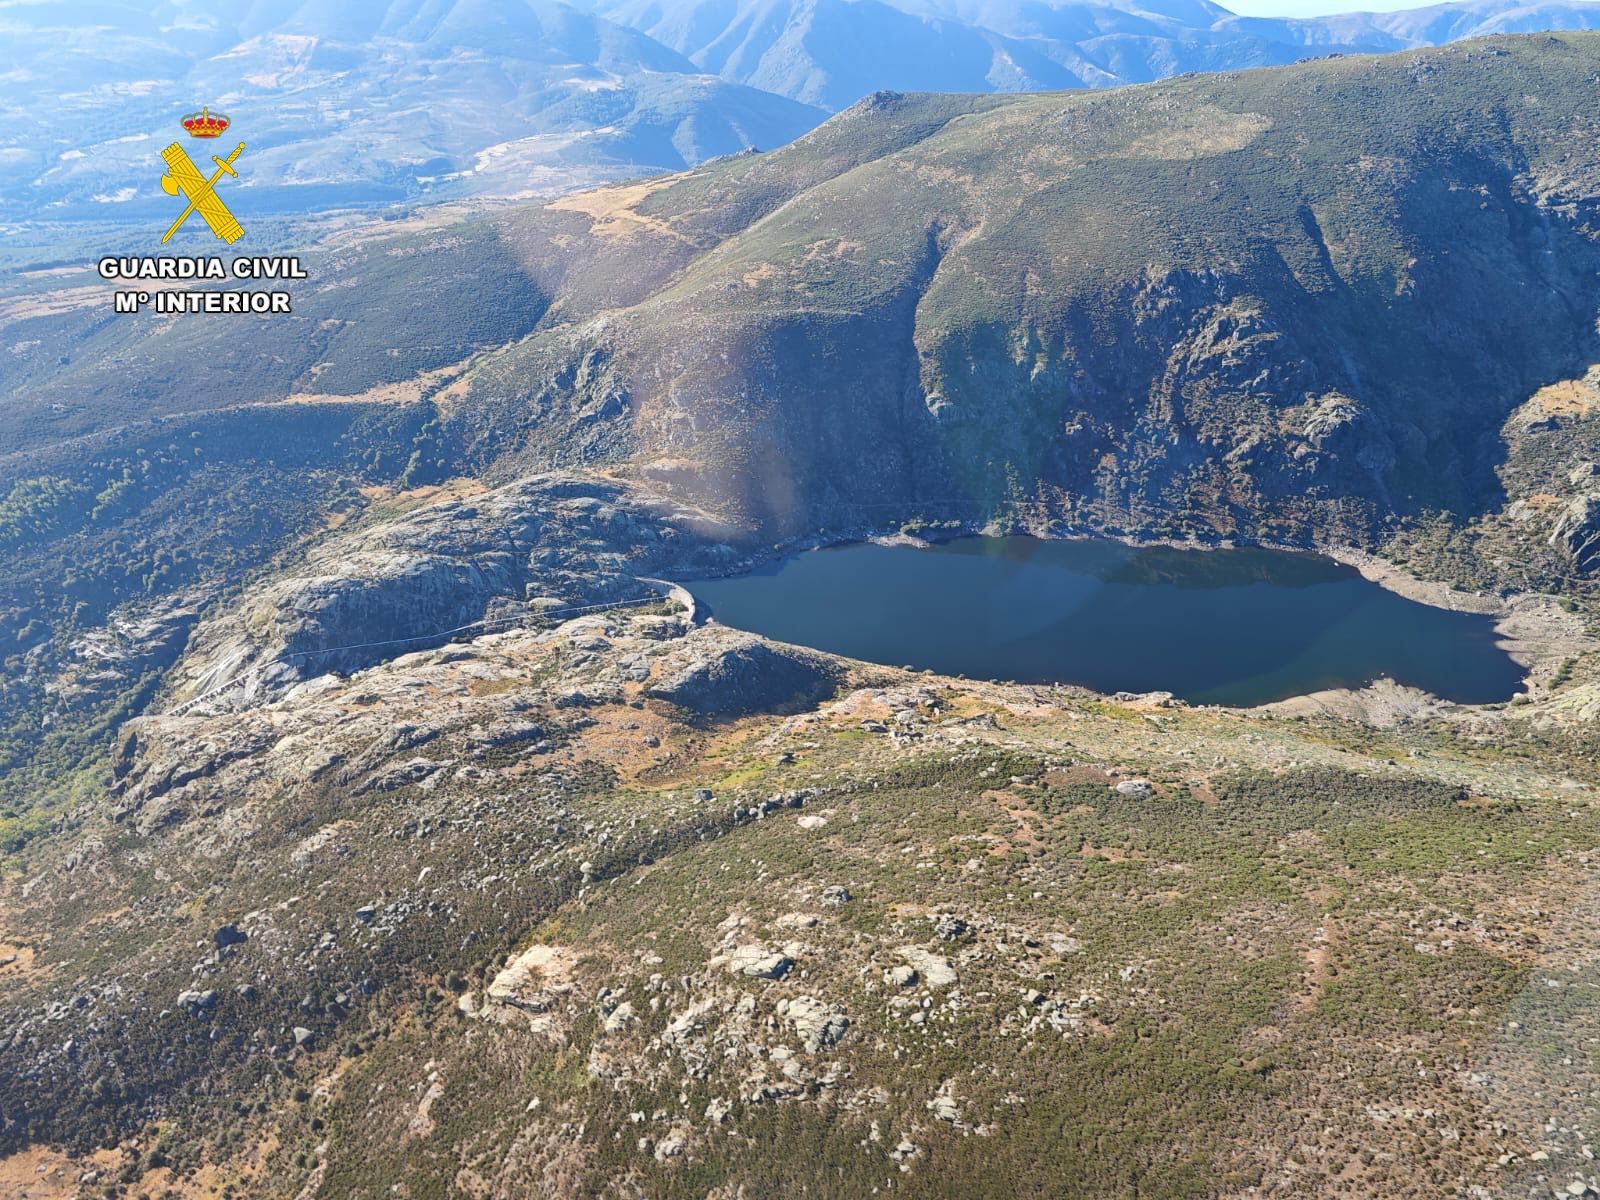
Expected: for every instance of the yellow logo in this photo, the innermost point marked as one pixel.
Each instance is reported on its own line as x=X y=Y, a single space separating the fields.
x=199 y=194
x=183 y=176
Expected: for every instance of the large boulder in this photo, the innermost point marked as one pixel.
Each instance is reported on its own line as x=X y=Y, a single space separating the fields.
x=739 y=674
x=532 y=979
x=935 y=970
x=756 y=961
x=819 y=1023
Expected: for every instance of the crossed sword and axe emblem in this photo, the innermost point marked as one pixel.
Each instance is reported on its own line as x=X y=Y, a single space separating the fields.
x=183 y=176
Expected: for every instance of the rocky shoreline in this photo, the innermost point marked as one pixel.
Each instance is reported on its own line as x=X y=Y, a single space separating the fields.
x=1538 y=633
x=572 y=539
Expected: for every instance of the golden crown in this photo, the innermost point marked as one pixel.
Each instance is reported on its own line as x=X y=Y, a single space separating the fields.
x=205 y=123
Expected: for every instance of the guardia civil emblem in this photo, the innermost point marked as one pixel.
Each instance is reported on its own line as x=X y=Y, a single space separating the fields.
x=184 y=178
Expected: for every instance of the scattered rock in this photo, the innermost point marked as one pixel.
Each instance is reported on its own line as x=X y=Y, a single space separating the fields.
x=229 y=935
x=836 y=895
x=1136 y=789
x=197 y=1001
x=818 y=1023
x=620 y=1017
x=757 y=962
x=949 y=928
x=304 y=1038
x=935 y=970
x=943 y=1105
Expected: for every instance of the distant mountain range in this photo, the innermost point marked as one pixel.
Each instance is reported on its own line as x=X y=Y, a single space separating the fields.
x=356 y=103
x=382 y=101
x=833 y=52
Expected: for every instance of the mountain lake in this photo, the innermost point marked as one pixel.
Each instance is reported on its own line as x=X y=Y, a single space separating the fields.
x=1236 y=627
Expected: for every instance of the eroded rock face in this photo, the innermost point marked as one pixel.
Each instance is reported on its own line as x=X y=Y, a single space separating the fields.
x=528 y=978
x=1577 y=532
x=465 y=710
x=162 y=779
x=1340 y=427
x=136 y=638
x=547 y=543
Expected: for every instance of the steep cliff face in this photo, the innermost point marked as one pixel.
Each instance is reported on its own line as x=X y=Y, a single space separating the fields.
x=1577 y=532
x=1290 y=303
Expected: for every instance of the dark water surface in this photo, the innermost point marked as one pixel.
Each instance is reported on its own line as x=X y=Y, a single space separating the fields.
x=1211 y=626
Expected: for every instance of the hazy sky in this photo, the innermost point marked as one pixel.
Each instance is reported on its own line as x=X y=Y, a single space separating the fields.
x=1314 y=8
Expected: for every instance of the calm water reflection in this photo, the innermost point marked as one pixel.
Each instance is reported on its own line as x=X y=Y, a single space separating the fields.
x=1211 y=626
